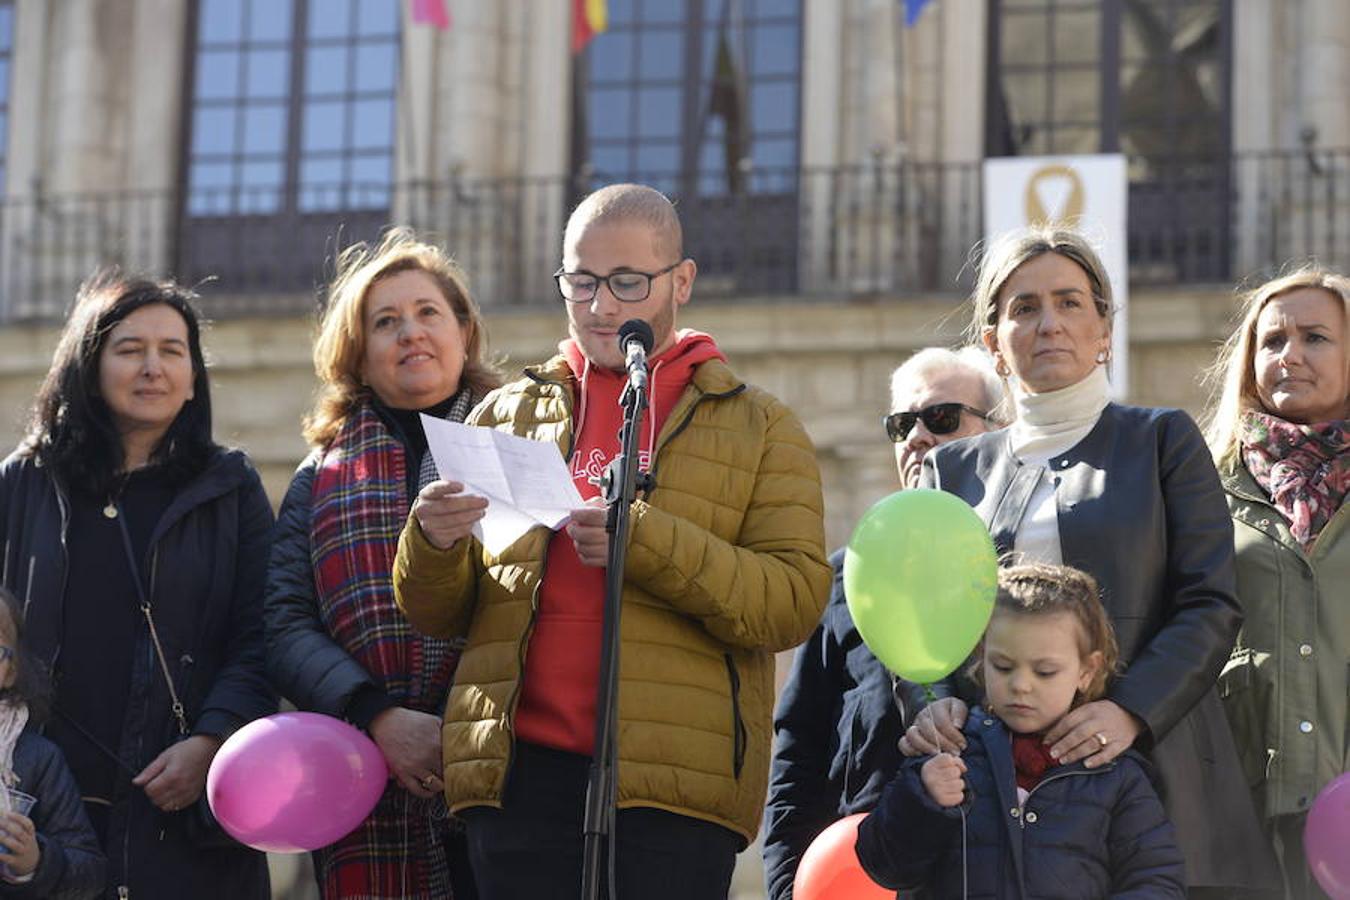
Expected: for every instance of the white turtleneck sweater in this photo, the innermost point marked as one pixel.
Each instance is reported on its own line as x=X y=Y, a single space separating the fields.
x=1047 y=425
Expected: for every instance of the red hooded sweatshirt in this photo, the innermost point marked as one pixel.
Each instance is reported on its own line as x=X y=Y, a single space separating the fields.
x=562 y=667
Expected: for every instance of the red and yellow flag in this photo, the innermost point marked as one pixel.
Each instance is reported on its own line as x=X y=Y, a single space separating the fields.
x=589 y=18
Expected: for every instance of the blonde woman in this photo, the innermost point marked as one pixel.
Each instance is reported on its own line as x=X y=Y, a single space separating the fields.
x=1129 y=495
x=1281 y=439
x=400 y=335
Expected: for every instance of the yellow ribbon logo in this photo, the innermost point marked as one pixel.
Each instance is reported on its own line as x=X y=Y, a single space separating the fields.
x=1072 y=209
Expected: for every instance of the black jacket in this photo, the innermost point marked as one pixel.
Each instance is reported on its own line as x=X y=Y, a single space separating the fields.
x=835 y=747
x=1081 y=834
x=70 y=863
x=206 y=564
x=305 y=662
x=1140 y=507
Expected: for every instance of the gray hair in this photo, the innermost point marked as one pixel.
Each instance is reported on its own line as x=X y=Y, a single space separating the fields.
x=974 y=361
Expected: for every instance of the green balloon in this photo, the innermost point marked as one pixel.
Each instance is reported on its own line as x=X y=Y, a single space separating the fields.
x=920 y=575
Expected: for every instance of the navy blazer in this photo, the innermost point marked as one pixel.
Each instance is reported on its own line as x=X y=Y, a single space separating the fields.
x=836 y=732
x=1140 y=507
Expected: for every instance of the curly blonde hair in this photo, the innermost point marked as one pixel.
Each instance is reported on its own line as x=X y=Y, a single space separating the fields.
x=340 y=345
x=1039 y=589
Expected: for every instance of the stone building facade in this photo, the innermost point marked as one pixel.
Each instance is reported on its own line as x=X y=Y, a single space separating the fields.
x=825 y=155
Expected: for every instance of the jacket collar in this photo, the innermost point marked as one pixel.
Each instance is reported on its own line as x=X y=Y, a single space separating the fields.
x=1248 y=504
x=1009 y=483
x=711 y=377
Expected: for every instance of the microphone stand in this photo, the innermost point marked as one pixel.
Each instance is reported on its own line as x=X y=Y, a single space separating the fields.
x=619 y=486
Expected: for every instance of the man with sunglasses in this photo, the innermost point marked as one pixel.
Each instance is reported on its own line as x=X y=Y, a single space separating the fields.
x=938 y=396
x=839 y=719
x=725 y=566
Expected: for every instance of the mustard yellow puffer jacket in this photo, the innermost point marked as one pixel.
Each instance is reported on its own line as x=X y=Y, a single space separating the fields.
x=726 y=565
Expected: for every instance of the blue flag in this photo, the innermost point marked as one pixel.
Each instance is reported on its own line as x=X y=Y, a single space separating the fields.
x=913 y=9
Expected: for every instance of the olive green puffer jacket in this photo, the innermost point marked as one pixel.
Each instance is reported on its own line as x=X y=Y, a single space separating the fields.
x=726 y=565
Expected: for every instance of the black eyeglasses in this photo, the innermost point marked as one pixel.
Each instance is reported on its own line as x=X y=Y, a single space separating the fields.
x=627 y=287
x=940 y=418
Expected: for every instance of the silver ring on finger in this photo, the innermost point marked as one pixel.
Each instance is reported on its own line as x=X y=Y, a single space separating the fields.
x=1102 y=739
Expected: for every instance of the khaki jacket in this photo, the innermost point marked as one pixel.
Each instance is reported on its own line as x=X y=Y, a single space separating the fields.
x=1286 y=688
x=726 y=565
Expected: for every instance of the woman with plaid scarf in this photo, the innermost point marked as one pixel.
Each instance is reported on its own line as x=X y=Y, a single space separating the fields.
x=399 y=335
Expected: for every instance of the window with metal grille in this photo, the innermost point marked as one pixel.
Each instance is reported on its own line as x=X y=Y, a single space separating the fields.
x=292 y=106
x=291 y=137
x=702 y=99
x=692 y=94
x=1147 y=78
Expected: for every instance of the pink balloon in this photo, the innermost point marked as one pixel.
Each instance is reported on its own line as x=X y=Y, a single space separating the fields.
x=1326 y=838
x=295 y=781
x=830 y=870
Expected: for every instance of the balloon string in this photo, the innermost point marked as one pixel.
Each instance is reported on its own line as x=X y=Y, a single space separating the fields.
x=931 y=697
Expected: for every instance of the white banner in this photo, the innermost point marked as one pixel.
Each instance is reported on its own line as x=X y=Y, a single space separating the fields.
x=1087 y=193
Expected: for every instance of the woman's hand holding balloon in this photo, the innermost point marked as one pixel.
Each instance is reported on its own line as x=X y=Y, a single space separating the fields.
x=446 y=514
x=936 y=728
x=411 y=744
x=296 y=781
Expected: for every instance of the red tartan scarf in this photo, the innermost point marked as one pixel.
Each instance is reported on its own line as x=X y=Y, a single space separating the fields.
x=359 y=505
x=1304 y=469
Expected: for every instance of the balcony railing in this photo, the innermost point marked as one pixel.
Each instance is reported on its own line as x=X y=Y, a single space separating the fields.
x=889 y=229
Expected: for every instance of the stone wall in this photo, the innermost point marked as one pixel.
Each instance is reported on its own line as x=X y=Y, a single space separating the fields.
x=830 y=363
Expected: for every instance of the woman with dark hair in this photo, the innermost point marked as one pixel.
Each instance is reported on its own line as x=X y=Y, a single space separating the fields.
x=400 y=336
x=138 y=548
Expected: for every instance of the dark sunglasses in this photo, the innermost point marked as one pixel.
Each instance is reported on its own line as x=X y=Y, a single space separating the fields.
x=940 y=418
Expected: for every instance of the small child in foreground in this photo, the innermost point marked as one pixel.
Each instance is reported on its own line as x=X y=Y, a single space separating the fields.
x=1006 y=820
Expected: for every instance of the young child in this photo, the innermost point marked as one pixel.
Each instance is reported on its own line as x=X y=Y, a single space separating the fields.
x=1007 y=820
x=52 y=851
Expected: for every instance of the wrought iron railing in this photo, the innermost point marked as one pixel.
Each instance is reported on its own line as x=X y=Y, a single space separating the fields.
x=885 y=229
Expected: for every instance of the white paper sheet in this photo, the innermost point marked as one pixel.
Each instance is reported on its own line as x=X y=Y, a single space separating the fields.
x=526 y=482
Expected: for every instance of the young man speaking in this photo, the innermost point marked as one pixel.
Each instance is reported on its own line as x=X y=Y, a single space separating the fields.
x=725 y=566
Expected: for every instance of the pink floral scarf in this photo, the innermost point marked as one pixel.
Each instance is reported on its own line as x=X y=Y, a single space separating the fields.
x=1305 y=469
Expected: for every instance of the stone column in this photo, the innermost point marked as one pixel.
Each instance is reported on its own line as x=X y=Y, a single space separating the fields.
x=489 y=106
x=97 y=88
x=1326 y=71
x=1260 y=86
x=822 y=127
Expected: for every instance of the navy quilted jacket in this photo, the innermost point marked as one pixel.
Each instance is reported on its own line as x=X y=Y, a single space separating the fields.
x=1081 y=834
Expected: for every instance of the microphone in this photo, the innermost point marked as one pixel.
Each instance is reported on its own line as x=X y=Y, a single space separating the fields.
x=635 y=340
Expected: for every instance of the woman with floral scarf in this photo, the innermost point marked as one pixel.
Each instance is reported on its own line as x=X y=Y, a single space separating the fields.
x=400 y=335
x=1281 y=439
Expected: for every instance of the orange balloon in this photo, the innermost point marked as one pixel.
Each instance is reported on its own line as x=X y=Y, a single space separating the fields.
x=830 y=870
